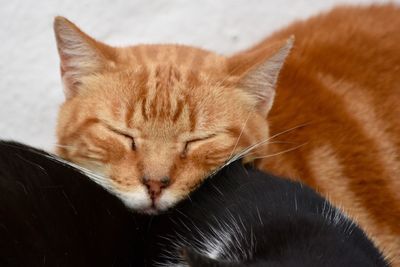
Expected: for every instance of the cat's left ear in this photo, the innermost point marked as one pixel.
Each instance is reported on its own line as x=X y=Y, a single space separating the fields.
x=80 y=55
x=259 y=78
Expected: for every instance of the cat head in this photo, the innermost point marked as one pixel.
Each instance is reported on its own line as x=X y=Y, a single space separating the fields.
x=153 y=121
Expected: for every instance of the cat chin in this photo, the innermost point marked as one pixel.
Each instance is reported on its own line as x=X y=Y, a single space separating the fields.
x=137 y=199
x=167 y=200
x=140 y=201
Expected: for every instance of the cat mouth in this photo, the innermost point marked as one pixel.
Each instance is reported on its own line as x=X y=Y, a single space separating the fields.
x=140 y=201
x=157 y=206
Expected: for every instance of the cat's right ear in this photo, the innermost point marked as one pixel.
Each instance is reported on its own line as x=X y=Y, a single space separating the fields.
x=80 y=55
x=258 y=70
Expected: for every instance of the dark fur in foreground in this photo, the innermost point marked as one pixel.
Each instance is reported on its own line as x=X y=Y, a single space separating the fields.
x=52 y=215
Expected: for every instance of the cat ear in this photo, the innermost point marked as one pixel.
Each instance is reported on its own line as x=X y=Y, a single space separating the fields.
x=260 y=81
x=80 y=55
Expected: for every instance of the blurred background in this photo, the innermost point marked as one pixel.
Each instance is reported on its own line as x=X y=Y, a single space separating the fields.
x=30 y=85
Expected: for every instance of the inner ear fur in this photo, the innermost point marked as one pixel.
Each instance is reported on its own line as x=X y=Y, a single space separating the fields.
x=80 y=54
x=258 y=71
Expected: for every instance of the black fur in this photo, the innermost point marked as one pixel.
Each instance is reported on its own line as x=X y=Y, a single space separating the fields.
x=52 y=215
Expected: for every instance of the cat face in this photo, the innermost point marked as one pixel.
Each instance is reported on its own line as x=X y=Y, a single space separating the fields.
x=153 y=121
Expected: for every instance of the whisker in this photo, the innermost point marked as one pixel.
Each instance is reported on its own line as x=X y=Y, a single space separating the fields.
x=291 y=129
x=250 y=148
x=274 y=142
x=281 y=152
x=99 y=179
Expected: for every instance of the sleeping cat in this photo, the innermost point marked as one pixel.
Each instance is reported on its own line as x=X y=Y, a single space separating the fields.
x=153 y=121
x=53 y=215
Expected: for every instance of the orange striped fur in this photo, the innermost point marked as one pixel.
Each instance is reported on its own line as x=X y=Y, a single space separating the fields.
x=154 y=111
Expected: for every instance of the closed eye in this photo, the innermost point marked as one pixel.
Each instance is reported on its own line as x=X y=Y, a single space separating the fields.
x=133 y=145
x=193 y=141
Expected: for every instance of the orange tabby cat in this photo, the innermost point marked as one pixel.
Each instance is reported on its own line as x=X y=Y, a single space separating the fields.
x=150 y=122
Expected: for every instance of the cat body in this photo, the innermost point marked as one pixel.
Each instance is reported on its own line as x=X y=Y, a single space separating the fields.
x=156 y=120
x=256 y=219
x=342 y=83
x=53 y=215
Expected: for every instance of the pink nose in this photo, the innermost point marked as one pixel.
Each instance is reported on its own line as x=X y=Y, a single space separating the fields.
x=155 y=186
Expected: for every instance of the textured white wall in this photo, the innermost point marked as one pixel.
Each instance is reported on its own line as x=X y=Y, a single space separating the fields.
x=30 y=88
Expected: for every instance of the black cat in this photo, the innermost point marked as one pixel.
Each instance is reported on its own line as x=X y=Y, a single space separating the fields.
x=52 y=215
